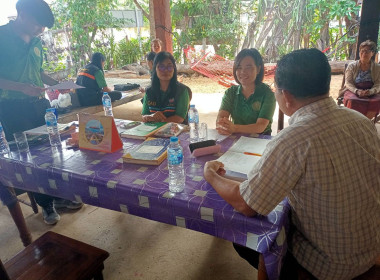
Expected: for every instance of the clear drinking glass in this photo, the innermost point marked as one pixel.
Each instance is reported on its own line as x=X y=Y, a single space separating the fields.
x=202 y=132
x=21 y=141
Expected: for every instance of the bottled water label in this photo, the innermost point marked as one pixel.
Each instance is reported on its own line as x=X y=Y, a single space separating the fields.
x=107 y=102
x=175 y=157
x=51 y=123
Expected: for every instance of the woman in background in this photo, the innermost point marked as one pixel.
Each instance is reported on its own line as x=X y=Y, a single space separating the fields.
x=91 y=77
x=156 y=45
x=166 y=100
x=362 y=77
x=250 y=104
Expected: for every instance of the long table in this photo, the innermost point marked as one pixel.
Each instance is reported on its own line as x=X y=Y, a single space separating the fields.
x=103 y=180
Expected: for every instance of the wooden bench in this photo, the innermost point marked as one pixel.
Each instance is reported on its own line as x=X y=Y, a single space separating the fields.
x=56 y=257
x=126 y=97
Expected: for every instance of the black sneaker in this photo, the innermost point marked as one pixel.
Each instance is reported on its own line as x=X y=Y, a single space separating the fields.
x=64 y=203
x=51 y=217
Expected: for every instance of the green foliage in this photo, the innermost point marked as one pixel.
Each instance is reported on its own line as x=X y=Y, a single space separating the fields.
x=217 y=21
x=84 y=19
x=130 y=52
x=54 y=66
x=123 y=52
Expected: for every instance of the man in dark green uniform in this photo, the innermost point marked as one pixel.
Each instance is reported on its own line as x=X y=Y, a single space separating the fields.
x=22 y=101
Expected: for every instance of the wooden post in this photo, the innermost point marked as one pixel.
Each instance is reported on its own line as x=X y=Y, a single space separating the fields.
x=163 y=24
x=369 y=23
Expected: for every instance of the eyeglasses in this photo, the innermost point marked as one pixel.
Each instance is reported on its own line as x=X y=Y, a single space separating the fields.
x=168 y=68
x=365 y=51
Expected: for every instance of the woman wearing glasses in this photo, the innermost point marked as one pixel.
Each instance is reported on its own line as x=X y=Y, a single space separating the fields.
x=166 y=100
x=250 y=104
x=362 y=82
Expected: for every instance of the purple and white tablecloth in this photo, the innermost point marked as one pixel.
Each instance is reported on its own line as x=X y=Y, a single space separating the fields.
x=103 y=180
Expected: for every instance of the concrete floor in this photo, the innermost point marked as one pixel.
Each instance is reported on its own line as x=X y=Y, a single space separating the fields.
x=139 y=248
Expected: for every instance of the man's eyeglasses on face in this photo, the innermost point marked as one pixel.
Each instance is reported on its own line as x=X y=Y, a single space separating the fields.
x=168 y=68
x=365 y=51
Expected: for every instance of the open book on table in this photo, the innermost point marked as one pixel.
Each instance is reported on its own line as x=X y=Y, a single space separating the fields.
x=139 y=130
x=170 y=129
x=152 y=152
x=242 y=156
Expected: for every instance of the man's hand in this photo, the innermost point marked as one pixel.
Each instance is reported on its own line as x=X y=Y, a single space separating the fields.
x=212 y=167
x=224 y=126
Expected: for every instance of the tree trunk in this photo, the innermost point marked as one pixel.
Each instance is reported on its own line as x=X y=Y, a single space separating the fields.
x=249 y=36
x=264 y=33
x=298 y=27
x=152 y=24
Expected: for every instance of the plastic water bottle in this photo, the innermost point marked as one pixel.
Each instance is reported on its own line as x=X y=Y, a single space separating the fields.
x=194 y=124
x=52 y=127
x=4 y=147
x=175 y=166
x=107 y=105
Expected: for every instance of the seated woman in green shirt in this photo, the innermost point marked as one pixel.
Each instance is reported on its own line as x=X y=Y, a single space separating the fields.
x=166 y=100
x=91 y=77
x=250 y=104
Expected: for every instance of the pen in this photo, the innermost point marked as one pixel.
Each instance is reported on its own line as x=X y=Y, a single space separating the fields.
x=252 y=154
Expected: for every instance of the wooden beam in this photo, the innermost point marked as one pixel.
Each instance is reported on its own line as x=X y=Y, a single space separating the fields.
x=163 y=24
x=369 y=23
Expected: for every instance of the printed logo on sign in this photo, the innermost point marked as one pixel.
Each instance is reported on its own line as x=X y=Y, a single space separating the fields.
x=152 y=103
x=256 y=106
x=37 y=51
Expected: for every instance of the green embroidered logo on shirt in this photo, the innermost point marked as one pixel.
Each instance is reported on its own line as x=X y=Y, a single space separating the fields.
x=256 y=105
x=37 y=51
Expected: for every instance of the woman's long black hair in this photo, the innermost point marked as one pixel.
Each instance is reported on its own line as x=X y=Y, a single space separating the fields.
x=160 y=57
x=97 y=59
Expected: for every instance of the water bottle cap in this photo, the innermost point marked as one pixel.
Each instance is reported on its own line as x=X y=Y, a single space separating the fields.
x=192 y=106
x=105 y=93
x=49 y=110
x=173 y=139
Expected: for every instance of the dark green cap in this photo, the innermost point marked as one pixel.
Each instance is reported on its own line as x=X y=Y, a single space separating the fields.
x=38 y=9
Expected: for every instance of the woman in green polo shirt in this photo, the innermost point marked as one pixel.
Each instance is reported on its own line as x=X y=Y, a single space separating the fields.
x=91 y=77
x=166 y=100
x=250 y=104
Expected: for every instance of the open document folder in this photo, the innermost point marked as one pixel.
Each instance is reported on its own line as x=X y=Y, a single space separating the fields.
x=242 y=156
x=64 y=86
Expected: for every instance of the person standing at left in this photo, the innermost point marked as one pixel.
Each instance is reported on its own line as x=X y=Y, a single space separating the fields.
x=22 y=101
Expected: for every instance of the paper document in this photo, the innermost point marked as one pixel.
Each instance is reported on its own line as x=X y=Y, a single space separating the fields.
x=243 y=156
x=62 y=128
x=213 y=134
x=64 y=85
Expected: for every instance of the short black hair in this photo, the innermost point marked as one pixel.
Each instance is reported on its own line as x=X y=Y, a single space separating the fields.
x=258 y=61
x=38 y=9
x=304 y=73
x=97 y=59
x=150 y=56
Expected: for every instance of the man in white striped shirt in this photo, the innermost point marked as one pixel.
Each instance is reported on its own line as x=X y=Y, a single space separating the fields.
x=327 y=162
